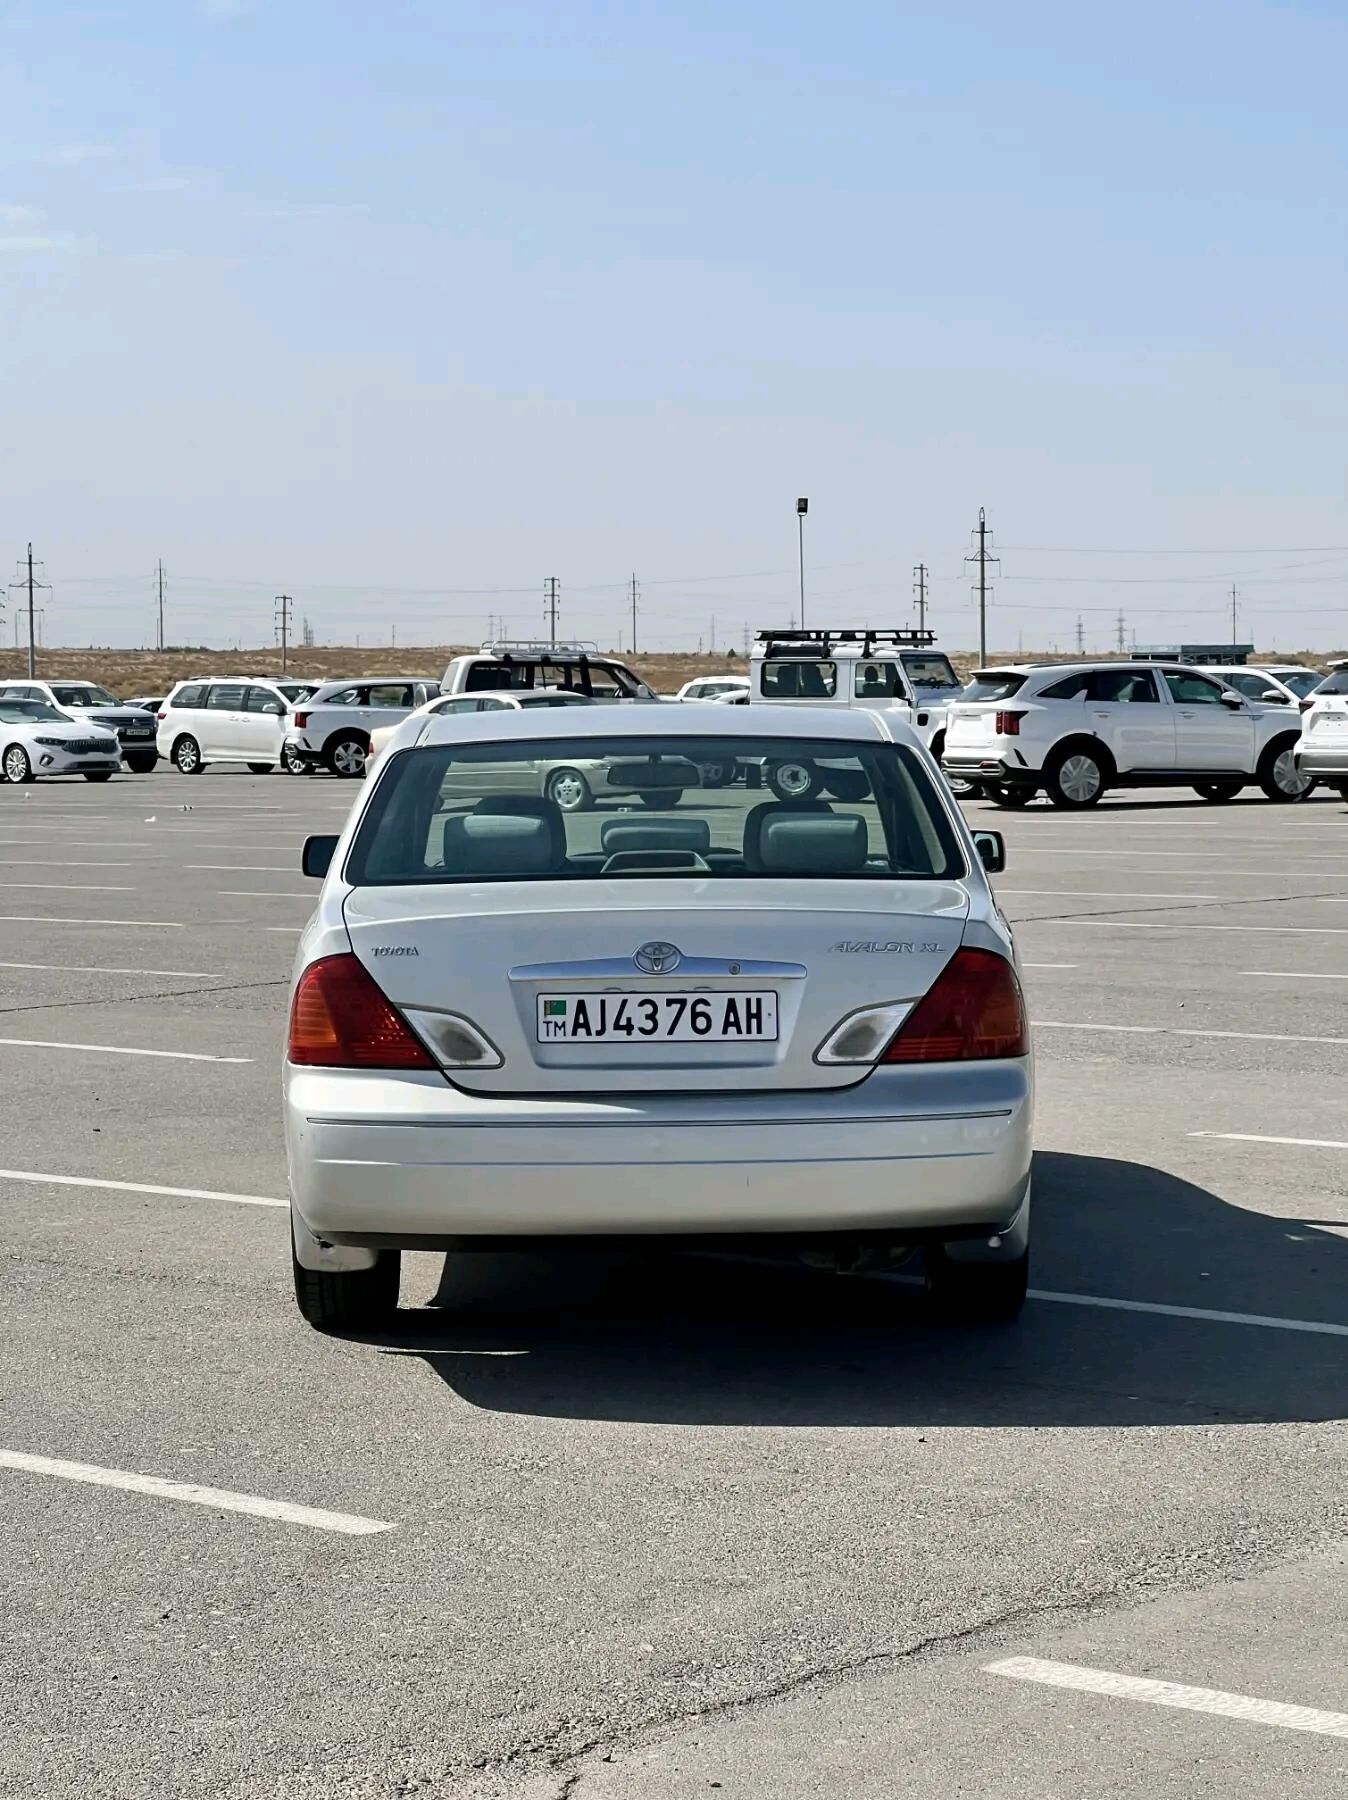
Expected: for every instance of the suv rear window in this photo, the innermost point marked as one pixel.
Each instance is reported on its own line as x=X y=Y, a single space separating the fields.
x=800 y=680
x=987 y=684
x=472 y=812
x=1336 y=682
x=189 y=696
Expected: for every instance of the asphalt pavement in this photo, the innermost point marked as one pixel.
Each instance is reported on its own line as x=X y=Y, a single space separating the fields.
x=615 y=1528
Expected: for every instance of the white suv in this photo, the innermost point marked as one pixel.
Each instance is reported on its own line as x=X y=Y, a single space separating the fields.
x=229 y=718
x=1074 y=730
x=332 y=728
x=1322 y=754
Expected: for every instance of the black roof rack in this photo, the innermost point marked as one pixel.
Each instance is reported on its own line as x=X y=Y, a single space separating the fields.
x=794 y=641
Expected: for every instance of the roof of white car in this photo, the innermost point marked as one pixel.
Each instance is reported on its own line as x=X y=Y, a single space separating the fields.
x=347 y=681
x=637 y=721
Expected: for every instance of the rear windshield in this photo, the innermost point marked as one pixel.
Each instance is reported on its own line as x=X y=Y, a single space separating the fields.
x=1301 y=681
x=1336 y=682
x=989 y=685
x=575 y=810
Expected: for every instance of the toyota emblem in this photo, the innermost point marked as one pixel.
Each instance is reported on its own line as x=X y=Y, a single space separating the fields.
x=658 y=959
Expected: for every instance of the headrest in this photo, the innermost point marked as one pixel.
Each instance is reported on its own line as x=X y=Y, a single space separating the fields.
x=496 y=844
x=823 y=845
x=773 y=809
x=654 y=834
x=528 y=806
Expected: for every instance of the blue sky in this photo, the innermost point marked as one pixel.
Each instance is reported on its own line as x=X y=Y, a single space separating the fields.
x=392 y=311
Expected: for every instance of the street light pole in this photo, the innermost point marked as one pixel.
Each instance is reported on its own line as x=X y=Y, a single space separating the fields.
x=802 y=507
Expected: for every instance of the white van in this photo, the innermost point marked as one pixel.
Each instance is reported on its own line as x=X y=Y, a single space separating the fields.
x=228 y=718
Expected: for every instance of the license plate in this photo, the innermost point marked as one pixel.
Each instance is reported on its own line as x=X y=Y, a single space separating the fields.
x=138 y=731
x=648 y=1018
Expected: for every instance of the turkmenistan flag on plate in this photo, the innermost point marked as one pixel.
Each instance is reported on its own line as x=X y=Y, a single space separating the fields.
x=554 y=1009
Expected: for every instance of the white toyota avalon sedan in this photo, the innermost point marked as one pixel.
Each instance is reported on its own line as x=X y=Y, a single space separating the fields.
x=796 y=1025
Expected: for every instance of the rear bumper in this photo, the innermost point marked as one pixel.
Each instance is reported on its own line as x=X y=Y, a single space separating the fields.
x=1331 y=761
x=968 y=766
x=302 y=751
x=385 y=1159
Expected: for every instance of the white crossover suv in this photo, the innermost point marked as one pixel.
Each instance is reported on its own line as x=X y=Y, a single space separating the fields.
x=1072 y=731
x=1322 y=754
x=333 y=726
x=749 y=1021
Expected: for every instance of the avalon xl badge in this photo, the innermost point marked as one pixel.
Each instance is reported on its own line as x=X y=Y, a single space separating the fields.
x=658 y=959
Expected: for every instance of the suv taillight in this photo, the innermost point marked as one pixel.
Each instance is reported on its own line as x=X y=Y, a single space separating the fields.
x=161 y=715
x=301 y=720
x=1307 y=704
x=341 y=1019
x=1007 y=724
x=974 y=1011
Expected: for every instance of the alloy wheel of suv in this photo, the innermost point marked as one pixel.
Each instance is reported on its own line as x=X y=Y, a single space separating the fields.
x=346 y=757
x=187 y=756
x=1075 y=778
x=1279 y=776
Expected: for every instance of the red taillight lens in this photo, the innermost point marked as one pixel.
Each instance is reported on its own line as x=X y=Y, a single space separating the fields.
x=340 y=1019
x=301 y=720
x=1306 y=705
x=1008 y=724
x=161 y=716
x=974 y=1011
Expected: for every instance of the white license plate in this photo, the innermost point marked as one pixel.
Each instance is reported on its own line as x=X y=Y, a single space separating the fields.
x=648 y=1018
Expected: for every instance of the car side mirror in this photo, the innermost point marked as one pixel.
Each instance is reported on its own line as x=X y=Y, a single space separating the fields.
x=318 y=853
x=1271 y=697
x=1234 y=701
x=991 y=848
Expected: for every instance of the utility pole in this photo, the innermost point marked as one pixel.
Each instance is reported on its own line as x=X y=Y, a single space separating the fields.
x=550 y=588
x=802 y=507
x=711 y=637
x=159 y=643
x=982 y=556
x=1233 y=612
x=284 y=620
x=28 y=581
x=1081 y=637
x=1122 y=635
x=634 y=615
x=920 y=589
x=307 y=634
x=393 y=635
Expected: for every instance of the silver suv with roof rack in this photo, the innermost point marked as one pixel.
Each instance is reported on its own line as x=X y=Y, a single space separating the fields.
x=524 y=663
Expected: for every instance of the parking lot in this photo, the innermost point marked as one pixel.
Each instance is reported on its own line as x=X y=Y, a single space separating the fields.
x=627 y=1529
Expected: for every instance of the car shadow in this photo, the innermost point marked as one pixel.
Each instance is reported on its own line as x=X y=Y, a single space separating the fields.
x=707 y=1340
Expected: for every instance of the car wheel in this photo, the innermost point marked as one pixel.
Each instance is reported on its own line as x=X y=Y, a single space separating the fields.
x=570 y=790
x=1279 y=775
x=717 y=774
x=141 y=765
x=1216 y=793
x=16 y=764
x=666 y=798
x=349 y=1299
x=846 y=784
x=794 y=780
x=345 y=756
x=187 y=756
x=976 y=1293
x=1075 y=778
x=1001 y=794
x=260 y=768
x=292 y=763
x=98 y=775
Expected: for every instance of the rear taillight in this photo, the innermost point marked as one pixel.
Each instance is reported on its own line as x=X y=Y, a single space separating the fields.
x=974 y=1011
x=1008 y=724
x=341 y=1019
x=161 y=716
x=301 y=720
x=1306 y=705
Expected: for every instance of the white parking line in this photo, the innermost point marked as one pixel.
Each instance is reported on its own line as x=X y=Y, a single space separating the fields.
x=51 y=919
x=1296 y=974
x=1243 y=1708
x=317 y=1518
x=1313 y=1327
x=265 y=894
x=1030 y=965
x=1148 y=925
x=117 y=1050
x=245 y=868
x=1257 y=1037
x=1105 y=894
x=99 y=969
x=63 y=862
x=70 y=887
x=1250 y=1137
x=38 y=1179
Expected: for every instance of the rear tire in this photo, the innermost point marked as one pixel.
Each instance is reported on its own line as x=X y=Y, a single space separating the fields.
x=794 y=779
x=1217 y=793
x=662 y=802
x=570 y=790
x=16 y=766
x=346 y=756
x=976 y=1293
x=187 y=756
x=260 y=768
x=1002 y=794
x=141 y=764
x=1342 y=788
x=349 y=1300
x=98 y=775
x=293 y=764
x=1279 y=776
x=846 y=784
x=1076 y=777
